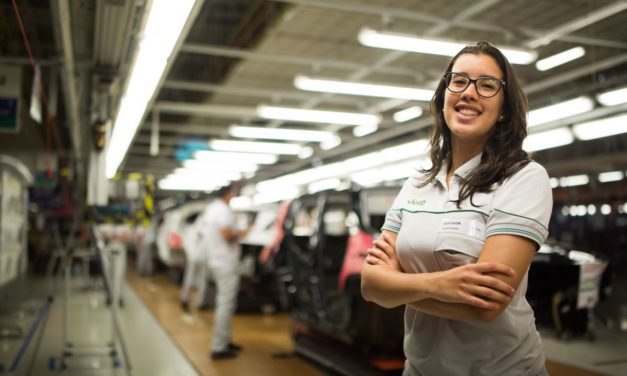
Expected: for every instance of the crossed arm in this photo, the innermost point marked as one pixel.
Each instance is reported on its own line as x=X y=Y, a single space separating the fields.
x=477 y=291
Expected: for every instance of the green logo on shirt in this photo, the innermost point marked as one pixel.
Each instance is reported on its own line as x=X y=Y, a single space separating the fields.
x=413 y=201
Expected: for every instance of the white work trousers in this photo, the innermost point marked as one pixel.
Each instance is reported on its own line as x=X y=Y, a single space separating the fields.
x=226 y=279
x=116 y=258
x=196 y=275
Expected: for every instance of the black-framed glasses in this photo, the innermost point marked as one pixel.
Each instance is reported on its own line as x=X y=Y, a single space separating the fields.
x=486 y=87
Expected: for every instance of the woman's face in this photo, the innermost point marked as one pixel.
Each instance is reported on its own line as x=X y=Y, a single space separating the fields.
x=469 y=116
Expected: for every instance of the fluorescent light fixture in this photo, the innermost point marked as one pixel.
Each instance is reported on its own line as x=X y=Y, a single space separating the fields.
x=613 y=97
x=305 y=152
x=606 y=177
x=323 y=185
x=364 y=129
x=560 y=58
x=555 y=182
x=181 y=183
x=404 y=151
x=407 y=114
x=281 y=134
x=164 y=25
x=398 y=171
x=404 y=42
x=194 y=164
x=255 y=147
x=549 y=139
x=601 y=128
x=331 y=143
x=574 y=180
x=205 y=175
x=364 y=161
x=367 y=178
x=606 y=209
x=233 y=157
x=285 y=193
x=559 y=111
x=241 y=202
x=363 y=89
x=317 y=116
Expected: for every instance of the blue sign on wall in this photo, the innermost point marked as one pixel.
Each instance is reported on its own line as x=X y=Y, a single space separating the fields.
x=8 y=114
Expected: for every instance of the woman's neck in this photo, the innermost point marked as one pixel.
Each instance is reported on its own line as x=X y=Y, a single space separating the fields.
x=460 y=154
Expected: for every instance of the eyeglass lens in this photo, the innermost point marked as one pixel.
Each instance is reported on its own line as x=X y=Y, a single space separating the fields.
x=486 y=86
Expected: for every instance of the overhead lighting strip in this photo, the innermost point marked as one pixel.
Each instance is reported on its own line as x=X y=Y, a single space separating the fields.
x=165 y=24
x=560 y=58
x=362 y=89
x=404 y=42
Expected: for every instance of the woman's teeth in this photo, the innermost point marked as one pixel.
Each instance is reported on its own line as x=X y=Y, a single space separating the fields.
x=467 y=111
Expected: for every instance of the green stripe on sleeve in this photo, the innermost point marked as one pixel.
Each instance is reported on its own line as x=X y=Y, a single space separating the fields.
x=516 y=231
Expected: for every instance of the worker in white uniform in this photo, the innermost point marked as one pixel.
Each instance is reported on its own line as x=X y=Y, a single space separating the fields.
x=222 y=239
x=196 y=272
x=457 y=244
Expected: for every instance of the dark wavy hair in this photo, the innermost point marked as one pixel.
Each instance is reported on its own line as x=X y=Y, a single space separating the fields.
x=503 y=155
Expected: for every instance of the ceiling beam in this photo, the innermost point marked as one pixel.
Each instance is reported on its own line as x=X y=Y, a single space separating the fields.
x=403 y=14
x=287 y=59
x=246 y=91
x=578 y=23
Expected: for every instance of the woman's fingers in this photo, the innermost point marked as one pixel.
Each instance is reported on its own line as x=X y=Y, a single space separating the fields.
x=379 y=254
x=493 y=267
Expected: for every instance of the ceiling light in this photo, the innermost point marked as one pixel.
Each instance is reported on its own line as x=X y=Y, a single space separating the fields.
x=610 y=176
x=193 y=175
x=365 y=129
x=407 y=114
x=404 y=151
x=164 y=26
x=549 y=139
x=194 y=164
x=323 y=185
x=404 y=42
x=241 y=202
x=285 y=193
x=317 y=116
x=560 y=58
x=554 y=182
x=233 y=157
x=281 y=134
x=364 y=89
x=601 y=128
x=606 y=209
x=255 y=147
x=331 y=143
x=573 y=181
x=186 y=183
x=305 y=152
x=559 y=111
x=613 y=97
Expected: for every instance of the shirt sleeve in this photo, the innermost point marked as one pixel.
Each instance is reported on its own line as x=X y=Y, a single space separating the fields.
x=394 y=216
x=225 y=219
x=522 y=205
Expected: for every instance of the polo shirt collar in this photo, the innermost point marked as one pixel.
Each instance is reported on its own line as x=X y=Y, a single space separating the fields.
x=462 y=171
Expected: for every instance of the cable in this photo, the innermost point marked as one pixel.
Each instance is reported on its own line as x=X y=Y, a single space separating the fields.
x=50 y=124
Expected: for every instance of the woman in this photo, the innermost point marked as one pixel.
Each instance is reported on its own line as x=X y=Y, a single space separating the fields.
x=457 y=243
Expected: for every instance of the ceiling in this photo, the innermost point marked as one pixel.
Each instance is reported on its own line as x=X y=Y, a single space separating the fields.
x=239 y=54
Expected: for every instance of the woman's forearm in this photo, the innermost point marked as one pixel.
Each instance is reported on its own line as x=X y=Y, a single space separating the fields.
x=452 y=311
x=390 y=288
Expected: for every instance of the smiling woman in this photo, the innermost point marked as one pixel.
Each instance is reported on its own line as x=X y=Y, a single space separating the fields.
x=459 y=260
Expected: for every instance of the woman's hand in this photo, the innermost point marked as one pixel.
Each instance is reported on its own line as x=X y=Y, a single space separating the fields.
x=471 y=284
x=383 y=252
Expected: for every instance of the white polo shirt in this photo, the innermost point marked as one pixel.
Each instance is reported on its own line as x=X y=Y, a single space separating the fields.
x=434 y=235
x=220 y=253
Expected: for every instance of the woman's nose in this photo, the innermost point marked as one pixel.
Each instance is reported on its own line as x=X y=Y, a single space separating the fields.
x=470 y=92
